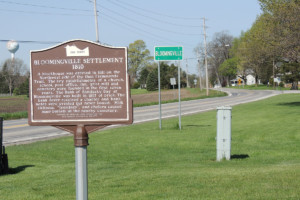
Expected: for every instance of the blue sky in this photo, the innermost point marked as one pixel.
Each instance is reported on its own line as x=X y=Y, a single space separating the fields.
x=121 y=22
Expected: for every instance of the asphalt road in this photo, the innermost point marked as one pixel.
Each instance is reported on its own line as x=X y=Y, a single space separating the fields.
x=19 y=132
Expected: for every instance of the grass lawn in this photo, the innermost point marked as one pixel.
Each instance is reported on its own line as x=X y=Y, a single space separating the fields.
x=138 y=91
x=143 y=162
x=260 y=87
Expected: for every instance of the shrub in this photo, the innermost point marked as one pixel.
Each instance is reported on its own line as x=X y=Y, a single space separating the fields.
x=17 y=91
x=136 y=85
x=281 y=84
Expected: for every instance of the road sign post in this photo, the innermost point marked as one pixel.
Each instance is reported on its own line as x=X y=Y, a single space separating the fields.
x=159 y=96
x=168 y=54
x=173 y=83
x=79 y=86
x=179 y=99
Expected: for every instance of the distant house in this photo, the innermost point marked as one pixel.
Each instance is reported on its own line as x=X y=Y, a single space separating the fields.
x=277 y=80
x=250 y=80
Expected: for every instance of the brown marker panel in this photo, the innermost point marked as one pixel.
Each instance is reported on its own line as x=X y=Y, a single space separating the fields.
x=79 y=82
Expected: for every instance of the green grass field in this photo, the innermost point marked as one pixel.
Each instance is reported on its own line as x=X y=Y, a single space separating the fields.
x=142 y=162
x=139 y=91
x=260 y=87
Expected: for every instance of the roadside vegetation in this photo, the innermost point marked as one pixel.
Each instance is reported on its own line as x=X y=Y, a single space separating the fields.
x=142 y=162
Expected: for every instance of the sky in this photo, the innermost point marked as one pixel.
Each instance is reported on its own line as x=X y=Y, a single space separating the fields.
x=37 y=24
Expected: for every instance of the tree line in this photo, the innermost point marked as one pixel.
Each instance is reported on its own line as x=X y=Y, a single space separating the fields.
x=269 y=49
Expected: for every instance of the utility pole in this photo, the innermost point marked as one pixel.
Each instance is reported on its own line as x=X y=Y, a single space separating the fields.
x=187 y=75
x=96 y=21
x=199 y=68
x=206 y=71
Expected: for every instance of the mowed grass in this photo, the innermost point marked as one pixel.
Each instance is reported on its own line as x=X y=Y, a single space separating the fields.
x=139 y=91
x=260 y=87
x=142 y=162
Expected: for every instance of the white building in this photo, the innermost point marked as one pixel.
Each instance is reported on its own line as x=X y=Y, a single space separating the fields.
x=250 y=80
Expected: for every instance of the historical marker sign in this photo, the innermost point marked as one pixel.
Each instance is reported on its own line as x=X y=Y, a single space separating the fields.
x=79 y=82
x=168 y=53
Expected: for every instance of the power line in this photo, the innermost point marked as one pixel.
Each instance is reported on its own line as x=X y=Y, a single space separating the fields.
x=147 y=25
x=70 y=9
x=152 y=18
x=107 y=16
x=31 y=41
x=42 y=6
x=42 y=13
x=133 y=28
x=142 y=30
x=160 y=14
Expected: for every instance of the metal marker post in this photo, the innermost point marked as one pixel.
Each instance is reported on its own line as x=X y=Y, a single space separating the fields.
x=81 y=173
x=159 y=96
x=179 y=102
x=81 y=143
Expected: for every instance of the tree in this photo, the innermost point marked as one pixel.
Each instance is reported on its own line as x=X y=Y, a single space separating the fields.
x=218 y=52
x=172 y=73
x=138 y=58
x=292 y=74
x=164 y=75
x=229 y=68
x=143 y=77
x=152 y=80
x=11 y=71
x=24 y=87
x=254 y=52
x=3 y=86
x=192 y=77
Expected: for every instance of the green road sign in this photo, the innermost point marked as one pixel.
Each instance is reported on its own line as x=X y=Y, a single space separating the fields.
x=168 y=53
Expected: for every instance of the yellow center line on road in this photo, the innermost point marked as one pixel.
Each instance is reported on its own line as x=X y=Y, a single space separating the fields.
x=15 y=126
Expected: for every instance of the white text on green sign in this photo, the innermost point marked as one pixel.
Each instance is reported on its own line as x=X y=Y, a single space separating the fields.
x=168 y=53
